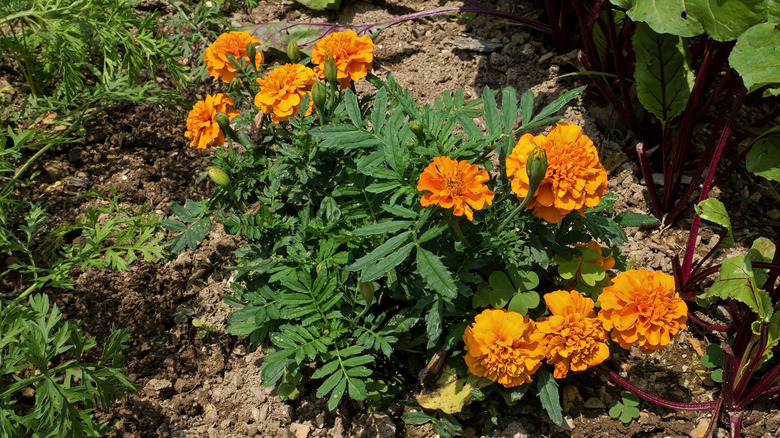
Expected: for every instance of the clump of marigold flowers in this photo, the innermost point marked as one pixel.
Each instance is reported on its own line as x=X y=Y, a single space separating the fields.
x=575 y=178
x=282 y=89
x=503 y=346
x=202 y=128
x=641 y=307
x=575 y=337
x=231 y=43
x=352 y=54
x=455 y=184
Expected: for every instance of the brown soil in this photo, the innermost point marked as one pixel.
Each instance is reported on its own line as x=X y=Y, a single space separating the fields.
x=210 y=387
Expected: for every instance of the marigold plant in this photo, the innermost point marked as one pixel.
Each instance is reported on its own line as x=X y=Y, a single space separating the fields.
x=642 y=307
x=575 y=337
x=282 y=89
x=575 y=178
x=503 y=346
x=202 y=128
x=354 y=55
x=455 y=184
x=231 y=43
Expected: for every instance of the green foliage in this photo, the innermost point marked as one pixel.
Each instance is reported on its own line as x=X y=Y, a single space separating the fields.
x=764 y=158
x=319 y=5
x=61 y=47
x=43 y=353
x=626 y=408
x=663 y=74
x=344 y=268
x=714 y=360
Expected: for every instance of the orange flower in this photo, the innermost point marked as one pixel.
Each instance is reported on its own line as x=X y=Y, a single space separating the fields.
x=576 y=339
x=282 y=88
x=642 y=306
x=504 y=346
x=575 y=179
x=233 y=43
x=455 y=184
x=202 y=128
x=354 y=55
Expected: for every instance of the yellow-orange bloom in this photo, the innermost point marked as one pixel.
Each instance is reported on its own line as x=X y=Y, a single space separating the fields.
x=282 y=89
x=455 y=184
x=202 y=128
x=575 y=178
x=354 y=55
x=642 y=307
x=576 y=339
x=504 y=346
x=231 y=43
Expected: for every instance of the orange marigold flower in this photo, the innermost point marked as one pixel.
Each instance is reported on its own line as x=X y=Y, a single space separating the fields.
x=642 y=306
x=575 y=178
x=354 y=55
x=576 y=339
x=231 y=43
x=282 y=89
x=455 y=184
x=202 y=128
x=505 y=347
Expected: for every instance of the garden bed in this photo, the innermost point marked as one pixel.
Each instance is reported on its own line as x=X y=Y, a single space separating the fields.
x=201 y=382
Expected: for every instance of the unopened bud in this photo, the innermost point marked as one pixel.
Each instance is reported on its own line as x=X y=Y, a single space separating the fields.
x=319 y=95
x=331 y=72
x=251 y=53
x=293 y=52
x=536 y=166
x=367 y=290
x=417 y=129
x=219 y=176
x=223 y=121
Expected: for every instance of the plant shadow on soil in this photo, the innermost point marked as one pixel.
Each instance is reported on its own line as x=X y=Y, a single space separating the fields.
x=210 y=387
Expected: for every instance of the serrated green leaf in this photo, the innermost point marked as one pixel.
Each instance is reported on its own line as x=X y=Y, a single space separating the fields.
x=416 y=418
x=547 y=390
x=508 y=109
x=663 y=74
x=556 y=104
x=382 y=228
x=380 y=251
x=492 y=116
x=335 y=397
x=388 y=263
x=434 y=273
x=756 y=56
x=630 y=219
x=353 y=108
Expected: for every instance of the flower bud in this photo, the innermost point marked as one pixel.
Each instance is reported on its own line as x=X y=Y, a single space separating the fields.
x=536 y=166
x=367 y=290
x=331 y=72
x=416 y=127
x=319 y=95
x=293 y=52
x=219 y=176
x=223 y=121
x=251 y=53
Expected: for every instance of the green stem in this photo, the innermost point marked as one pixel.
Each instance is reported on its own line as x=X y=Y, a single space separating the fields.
x=455 y=224
x=521 y=207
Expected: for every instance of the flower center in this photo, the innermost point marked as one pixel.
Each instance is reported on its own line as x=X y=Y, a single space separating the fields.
x=454 y=184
